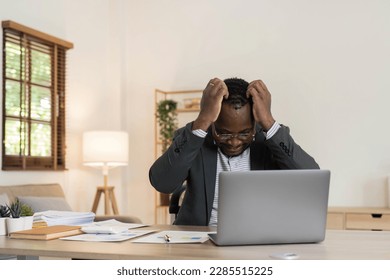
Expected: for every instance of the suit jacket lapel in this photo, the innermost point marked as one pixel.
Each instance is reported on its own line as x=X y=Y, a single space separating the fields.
x=209 y=155
x=258 y=151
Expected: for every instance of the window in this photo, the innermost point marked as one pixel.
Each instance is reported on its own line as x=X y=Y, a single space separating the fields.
x=34 y=65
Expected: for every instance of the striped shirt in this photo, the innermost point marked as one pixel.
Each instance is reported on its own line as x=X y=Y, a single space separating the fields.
x=225 y=163
x=236 y=163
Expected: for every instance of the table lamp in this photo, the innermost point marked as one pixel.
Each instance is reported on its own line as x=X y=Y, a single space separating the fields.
x=105 y=150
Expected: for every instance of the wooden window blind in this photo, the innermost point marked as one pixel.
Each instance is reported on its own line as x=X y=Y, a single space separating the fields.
x=34 y=75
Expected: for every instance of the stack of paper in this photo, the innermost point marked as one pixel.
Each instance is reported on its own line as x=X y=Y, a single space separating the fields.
x=53 y=217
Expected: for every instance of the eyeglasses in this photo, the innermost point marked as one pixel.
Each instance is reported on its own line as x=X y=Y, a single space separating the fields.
x=243 y=136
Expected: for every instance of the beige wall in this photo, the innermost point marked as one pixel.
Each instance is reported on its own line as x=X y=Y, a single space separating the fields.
x=325 y=62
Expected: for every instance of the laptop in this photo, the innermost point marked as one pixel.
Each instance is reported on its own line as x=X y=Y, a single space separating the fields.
x=272 y=207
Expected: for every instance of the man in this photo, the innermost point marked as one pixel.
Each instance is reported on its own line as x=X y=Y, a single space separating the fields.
x=234 y=131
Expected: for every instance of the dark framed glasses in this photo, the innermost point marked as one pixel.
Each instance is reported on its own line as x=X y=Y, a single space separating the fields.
x=243 y=136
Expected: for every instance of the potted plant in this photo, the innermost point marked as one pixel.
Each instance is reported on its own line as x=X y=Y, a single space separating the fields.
x=21 y=217
x=4 y=214
x=27 y=213
x=167 y=120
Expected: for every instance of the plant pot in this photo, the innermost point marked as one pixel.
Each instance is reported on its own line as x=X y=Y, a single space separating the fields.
x=3 y=226
x=22 y=223
x=15 y=224
x=28 y=222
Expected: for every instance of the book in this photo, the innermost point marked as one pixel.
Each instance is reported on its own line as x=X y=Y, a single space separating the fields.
x=38 y=224
x=47 y=233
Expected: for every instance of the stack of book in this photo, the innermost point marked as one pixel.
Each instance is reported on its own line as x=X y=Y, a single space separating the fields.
x=53 y=217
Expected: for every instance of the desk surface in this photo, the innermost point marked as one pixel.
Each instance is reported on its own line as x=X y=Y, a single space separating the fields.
x=338 y=244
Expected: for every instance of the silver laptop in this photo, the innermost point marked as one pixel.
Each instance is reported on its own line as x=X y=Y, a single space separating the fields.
x=272 y=207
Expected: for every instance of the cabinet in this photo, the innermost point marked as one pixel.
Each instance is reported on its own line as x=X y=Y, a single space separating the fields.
x=188 y=102
x=358 y=218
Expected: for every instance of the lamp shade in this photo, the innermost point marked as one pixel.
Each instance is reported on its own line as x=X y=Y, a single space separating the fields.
x=105 y=148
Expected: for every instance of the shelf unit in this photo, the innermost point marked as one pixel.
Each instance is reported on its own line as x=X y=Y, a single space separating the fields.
x=185 y=114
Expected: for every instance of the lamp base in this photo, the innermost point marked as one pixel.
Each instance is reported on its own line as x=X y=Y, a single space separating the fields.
x=109 y=198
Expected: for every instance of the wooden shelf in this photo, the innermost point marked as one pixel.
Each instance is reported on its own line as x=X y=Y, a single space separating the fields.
x=189 y=110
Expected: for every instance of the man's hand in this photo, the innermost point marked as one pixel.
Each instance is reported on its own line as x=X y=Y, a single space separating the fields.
x=211 y=103
x=261 y=104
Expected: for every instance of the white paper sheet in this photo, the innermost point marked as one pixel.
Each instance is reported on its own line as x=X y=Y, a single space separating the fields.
x=108 y=237
x=115 y=223
x=175 y=237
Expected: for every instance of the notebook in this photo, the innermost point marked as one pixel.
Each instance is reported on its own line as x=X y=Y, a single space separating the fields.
x=272 y=207
x=47 y=233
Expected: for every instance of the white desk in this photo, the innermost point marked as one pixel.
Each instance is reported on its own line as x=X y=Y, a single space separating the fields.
x=338 y=245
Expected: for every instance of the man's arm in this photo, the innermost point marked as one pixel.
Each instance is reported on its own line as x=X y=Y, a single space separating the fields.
x=171 y=169
x=211 y=103
x=288 y=154
x=261 y=98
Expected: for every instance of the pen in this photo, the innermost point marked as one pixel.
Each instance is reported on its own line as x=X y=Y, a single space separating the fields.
x=167 y=238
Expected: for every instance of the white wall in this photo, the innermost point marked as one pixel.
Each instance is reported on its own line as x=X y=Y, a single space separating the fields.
x=325 y=62
x=93 y=85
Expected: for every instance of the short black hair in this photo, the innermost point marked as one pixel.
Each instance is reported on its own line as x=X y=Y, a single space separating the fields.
x=237 y=92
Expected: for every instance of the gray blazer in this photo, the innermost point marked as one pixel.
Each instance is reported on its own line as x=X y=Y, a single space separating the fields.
x=194 y=159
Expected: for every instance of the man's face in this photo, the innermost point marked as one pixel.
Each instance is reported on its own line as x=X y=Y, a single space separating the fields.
x=233 y=131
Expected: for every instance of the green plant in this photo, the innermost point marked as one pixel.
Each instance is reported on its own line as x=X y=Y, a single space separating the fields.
x=15 y=208
x=4 y=211
x=18 y=209
x=26 y=210
x=167 y=121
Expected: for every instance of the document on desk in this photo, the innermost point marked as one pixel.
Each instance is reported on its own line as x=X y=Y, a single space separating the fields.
x=104 y=226
x=100 y=237
x=175 y=237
